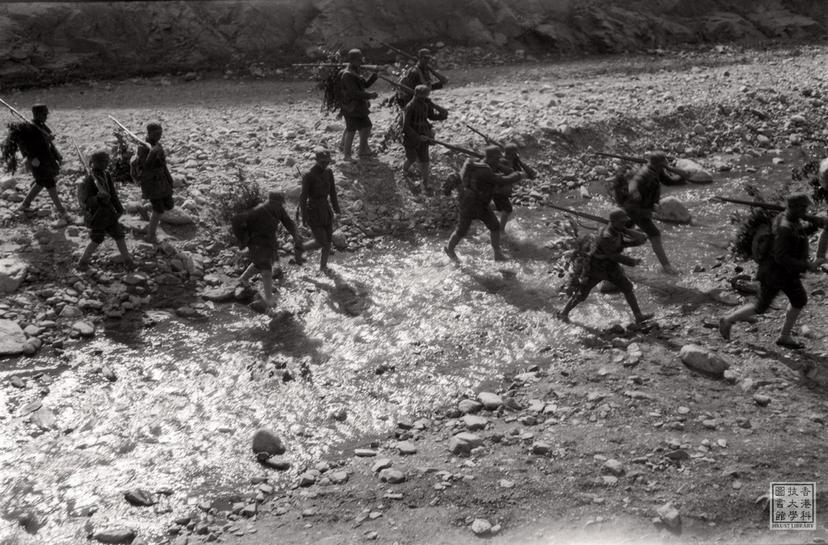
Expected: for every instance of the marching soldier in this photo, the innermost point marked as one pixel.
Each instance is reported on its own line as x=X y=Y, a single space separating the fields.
x=780 y=269
x=644 y=194
x=155 y=178
x=482 y=178
x=605 y=262
x=502 y=195
x=355 y=105
x=418 y=132
x=44 y=161
x=102 y=208
x=419 y=74
x=319 y=205
x=256 y=230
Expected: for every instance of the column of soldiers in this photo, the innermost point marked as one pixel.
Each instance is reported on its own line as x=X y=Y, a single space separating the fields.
x=481 y=184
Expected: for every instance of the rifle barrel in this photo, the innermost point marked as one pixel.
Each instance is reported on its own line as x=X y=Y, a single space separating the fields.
x=771 y=206
x=405 y=88
x=592 y=217
x=622 y=157
x=458 y=148
x=485 y=136
x=131 y=134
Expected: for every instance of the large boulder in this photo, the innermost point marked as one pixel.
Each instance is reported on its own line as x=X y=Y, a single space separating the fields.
x=12 y=339
x=672 y=210
x=703 y=360
x=696 y=174
x=268 y=442
x=12 y=273
x=176 y=216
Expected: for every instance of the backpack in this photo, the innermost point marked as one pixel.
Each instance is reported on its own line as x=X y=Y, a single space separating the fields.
x=762 y=244
x=238 y=225
x=618 y=187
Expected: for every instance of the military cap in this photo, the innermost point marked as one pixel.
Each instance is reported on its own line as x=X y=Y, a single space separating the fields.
x=510 y=146
x=321 y=154
x=422 y=90
x=40 y=108
x=492 y=151
x=153 y=126
x=424 y=52
x=657 y=157
x=99 y=155
x=618 y=215
x=354 y=54
x=798 y=199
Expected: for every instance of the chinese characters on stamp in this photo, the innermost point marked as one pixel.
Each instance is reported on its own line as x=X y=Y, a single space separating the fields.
x=793 y=506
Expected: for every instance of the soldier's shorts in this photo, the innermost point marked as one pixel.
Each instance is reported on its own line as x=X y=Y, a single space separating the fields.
x=261 y=257
x=417 y=153
x=322 y=234
x=116 y=231
x=356 y=123
x=771 y=282
x=644 y=220
x=162 y=205
x=46 y=181
x=472 y=211
x=611 y=272
x=502 y=203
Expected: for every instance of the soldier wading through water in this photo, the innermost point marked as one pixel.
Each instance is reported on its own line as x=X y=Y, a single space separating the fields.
x=781 y=265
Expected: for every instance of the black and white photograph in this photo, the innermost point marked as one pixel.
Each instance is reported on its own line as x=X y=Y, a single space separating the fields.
x=414 y=272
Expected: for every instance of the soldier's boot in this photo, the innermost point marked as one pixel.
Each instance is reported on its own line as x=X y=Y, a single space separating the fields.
x=636 y=310
x=785 y=339
x=658 y=249
x=498 y=253
x=323 y=259
x=425 y=168
x=83 y=262
x=348 y=144
x=152 y=228
x=129 y=263
x=364 y=150
x=26 y=205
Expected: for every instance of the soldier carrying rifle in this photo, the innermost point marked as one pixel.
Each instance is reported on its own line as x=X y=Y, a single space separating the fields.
x=37 y=144
x=604 y=263
x=783 y=258
x=355 y=105
x=102 y=208
x=480 y=180
x=418 y=132
x=419 y=74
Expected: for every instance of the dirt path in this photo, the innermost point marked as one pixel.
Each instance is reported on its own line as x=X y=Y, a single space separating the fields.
x=384 y=351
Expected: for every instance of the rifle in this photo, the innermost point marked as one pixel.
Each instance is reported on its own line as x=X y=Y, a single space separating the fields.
x=339 y=65
x=584 y=215
x=27 y=121
x=457 y=148
x=398 y=85
x=411 y=57
x=485 y=137
x=82 y=158
x=770 y=206
x=140 y=141
x=492 y=141
x=102 y=189
x=642 y=161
